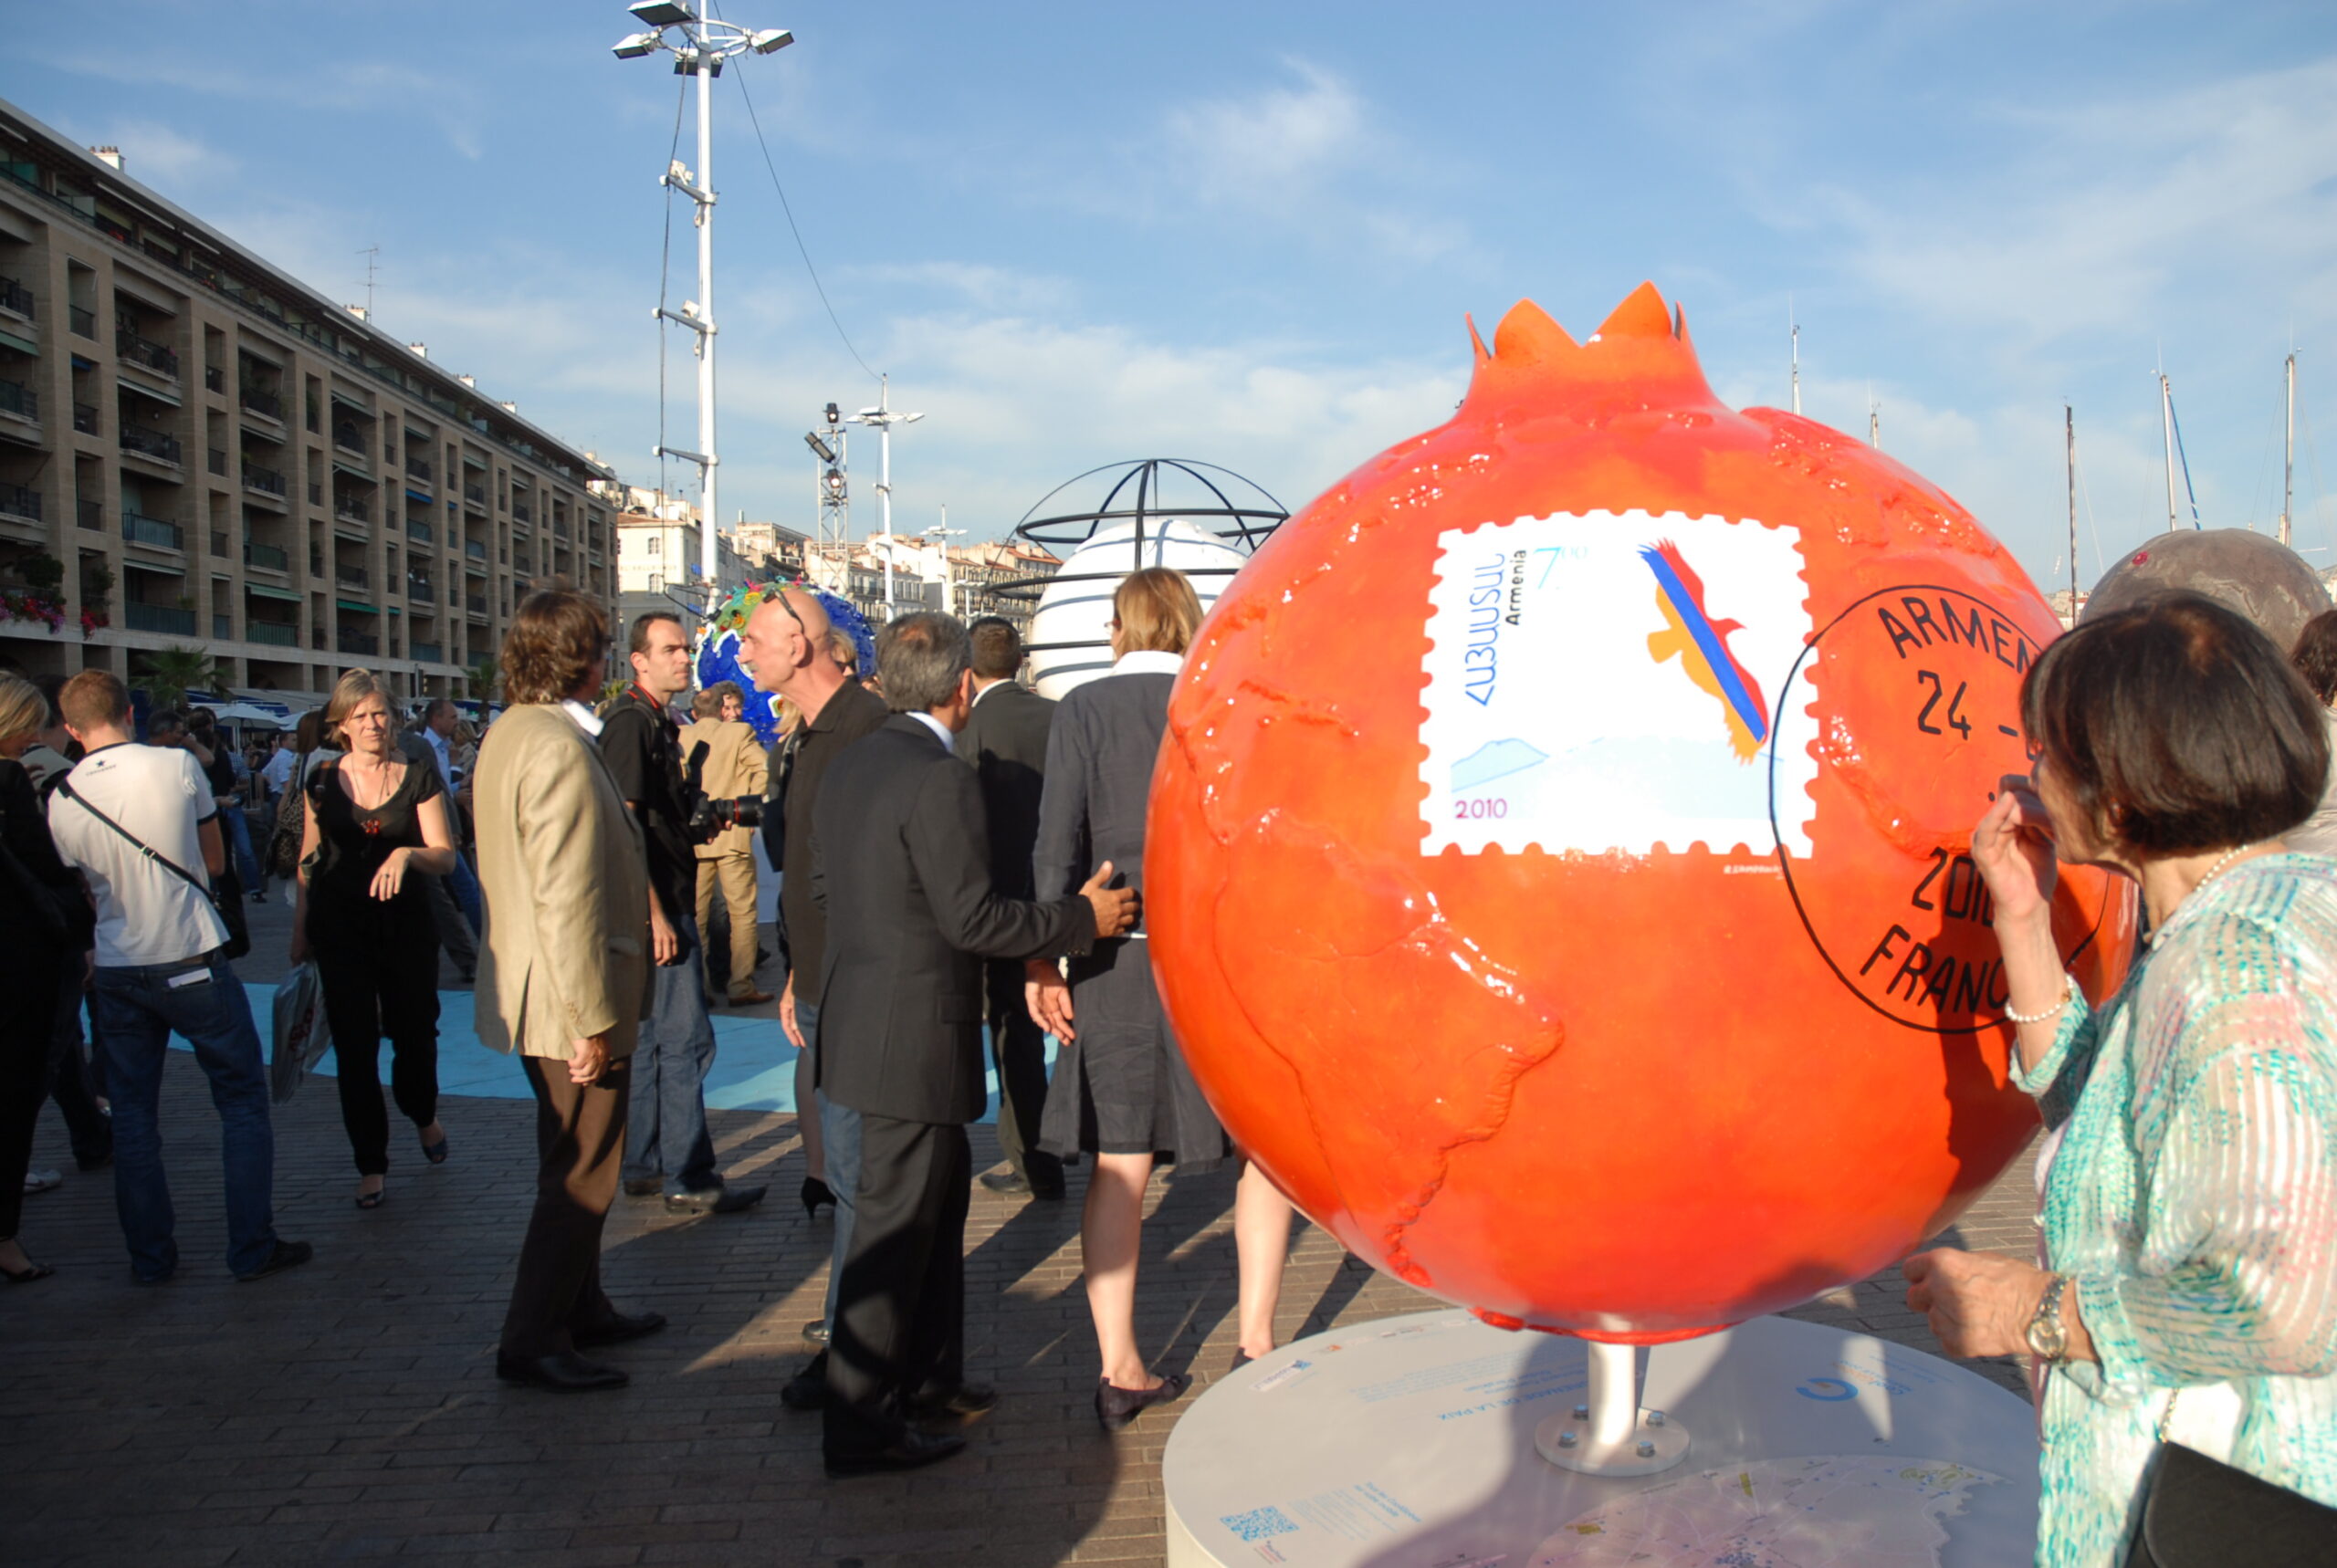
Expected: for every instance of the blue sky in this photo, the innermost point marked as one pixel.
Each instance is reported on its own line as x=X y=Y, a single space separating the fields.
x=1248 y=233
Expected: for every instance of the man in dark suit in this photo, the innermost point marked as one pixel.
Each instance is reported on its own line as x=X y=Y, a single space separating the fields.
x=1006 y=740
x=900 y=864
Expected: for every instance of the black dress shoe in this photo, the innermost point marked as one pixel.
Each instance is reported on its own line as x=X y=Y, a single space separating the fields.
x=716 y=1200
x=815 y=1193
x=966 y=1402
x=620 y=1328
x=1008 y=1183
x=1117 y=1406
x=808 y=1389
x=564 y=1373
x=287 y=1255
x=644 y=1187
x=911 y=1450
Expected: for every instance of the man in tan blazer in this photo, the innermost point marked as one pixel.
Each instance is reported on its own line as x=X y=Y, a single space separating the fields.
x=563 y=978
x=735 y=765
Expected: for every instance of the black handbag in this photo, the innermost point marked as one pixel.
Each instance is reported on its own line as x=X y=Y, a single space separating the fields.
x=225 y=895
x=2200 y=1513
x=64 y=913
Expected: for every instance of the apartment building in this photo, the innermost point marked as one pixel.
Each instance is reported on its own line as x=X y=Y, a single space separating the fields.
x=219 y=457
x=658 y=550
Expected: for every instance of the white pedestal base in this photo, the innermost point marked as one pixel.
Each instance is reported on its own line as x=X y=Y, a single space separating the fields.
x=1412 y=1443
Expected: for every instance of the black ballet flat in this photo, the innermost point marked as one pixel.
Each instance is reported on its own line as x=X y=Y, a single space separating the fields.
x=1117 y=1406
x=815 y=1193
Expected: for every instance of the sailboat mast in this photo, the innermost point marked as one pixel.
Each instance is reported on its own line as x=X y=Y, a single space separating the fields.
x=2166 y=419
x=2070 y=445
x=2288 y=450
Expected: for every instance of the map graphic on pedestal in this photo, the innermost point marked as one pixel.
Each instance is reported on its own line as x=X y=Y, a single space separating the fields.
x=1825 y=1511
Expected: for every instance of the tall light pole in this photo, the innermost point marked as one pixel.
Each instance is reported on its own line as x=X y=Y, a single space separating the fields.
x=881 y=419
x=698 y=46
x=943 y=533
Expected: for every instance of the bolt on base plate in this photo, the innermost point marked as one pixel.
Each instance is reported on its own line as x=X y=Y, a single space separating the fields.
x=1653 y=1443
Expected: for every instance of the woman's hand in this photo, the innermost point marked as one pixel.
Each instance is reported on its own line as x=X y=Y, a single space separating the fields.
x=297 y=950
x=1048 y=995
x=2013 y=847
x=1980 y=1303
x=392 y=876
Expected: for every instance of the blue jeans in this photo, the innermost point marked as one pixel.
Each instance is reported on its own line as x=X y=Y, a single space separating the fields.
x=665 y=1132
x=239 y=829
x=464 y=887
x=137 y=1009
x=840 y=1132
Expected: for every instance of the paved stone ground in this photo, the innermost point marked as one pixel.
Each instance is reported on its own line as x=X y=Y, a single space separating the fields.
x=349 y=1410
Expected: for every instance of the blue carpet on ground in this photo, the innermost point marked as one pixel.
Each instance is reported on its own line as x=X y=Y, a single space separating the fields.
x=754 y=1067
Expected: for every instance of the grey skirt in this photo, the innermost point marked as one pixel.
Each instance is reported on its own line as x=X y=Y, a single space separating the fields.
x=1122 y=1087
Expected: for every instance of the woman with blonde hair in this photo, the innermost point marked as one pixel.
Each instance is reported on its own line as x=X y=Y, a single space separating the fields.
x=373 y=822
x=1121 y=1091
x=39 y=897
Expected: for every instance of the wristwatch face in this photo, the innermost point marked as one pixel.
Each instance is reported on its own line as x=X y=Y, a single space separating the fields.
x=2047 y=1338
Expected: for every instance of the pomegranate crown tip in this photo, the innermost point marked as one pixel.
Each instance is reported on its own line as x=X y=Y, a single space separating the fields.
x=1642 y=342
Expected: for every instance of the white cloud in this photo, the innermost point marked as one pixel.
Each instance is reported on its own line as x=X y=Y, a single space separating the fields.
x=2116 y=203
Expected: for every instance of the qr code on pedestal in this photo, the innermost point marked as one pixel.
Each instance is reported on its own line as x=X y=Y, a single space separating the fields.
x=1258 y=1524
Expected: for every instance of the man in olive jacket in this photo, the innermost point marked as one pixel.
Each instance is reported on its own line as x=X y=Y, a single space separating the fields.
x=563 y=978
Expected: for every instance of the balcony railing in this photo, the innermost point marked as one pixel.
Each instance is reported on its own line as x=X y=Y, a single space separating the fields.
x=218 y=460
x=82 y=321
x=265 y=403
x=144 y=531
x=264 y=479
x=267 y=558
x=519 y=513
x=420 y=532
x=428 y=652
x=355 y=509
x=166 y=618
x=218 y=542
x=19 y=400
x=475 y=550
x=351 y=641
x=14 y=296
x=352 y=577
x=476 y=495
x=223 y=627
x=316 y=494
x=560 y=530
x=417 y=469
x=273 y=634
x=213 y=379
x=149 y=443
x=476 y=604
x=85 y=418
x=91 y=515
x=349 y=438
x=418 y=585
x=18 y=501
x=147 y=353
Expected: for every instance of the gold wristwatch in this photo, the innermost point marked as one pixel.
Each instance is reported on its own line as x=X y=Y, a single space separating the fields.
x=2049 y=1336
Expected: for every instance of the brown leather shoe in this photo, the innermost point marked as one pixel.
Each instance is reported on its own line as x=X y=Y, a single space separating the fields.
x=752 y=999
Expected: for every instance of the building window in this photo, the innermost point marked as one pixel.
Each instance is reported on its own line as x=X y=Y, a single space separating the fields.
x=657 y=544
x=656 y=582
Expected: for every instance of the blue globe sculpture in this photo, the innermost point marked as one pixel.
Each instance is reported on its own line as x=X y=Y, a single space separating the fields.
x=717 y=647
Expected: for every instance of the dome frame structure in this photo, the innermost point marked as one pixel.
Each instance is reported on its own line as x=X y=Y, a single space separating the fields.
x=1135 y=493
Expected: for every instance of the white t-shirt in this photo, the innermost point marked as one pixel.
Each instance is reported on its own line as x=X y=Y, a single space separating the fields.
x=146 y=914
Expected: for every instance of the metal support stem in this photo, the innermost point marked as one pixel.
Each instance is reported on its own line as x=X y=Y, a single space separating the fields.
x=708 y=512
x=1607 y=1434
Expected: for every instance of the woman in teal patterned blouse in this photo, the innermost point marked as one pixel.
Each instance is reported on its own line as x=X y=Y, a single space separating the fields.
x=2189 y=1172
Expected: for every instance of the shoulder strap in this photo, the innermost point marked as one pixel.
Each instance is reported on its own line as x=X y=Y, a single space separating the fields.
x=200 y=884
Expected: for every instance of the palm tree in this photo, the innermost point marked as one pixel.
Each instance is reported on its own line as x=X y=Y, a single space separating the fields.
x=167 y=674
x=482 y=676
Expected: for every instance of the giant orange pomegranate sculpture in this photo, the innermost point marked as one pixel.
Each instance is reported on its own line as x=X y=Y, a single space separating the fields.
x=1556 y=870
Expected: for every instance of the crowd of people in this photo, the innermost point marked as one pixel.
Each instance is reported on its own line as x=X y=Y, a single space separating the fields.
x=960 y=859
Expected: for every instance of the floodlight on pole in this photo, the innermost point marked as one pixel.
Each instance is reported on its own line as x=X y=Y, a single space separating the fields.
x=881 y=419
x=820 y=449
x=700 y=47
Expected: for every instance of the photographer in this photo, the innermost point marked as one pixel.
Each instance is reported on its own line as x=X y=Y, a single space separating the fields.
x=729 y=765
x=667 y=1145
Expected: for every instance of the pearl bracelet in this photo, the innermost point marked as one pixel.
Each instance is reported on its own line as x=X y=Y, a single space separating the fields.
x=2049 y=1012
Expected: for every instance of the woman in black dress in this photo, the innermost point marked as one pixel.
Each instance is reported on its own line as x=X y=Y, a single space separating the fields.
x=374 y=822
x=1121 y=1089
x=32 y=959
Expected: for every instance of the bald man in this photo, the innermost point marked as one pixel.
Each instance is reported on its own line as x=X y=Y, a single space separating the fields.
x=785 y=644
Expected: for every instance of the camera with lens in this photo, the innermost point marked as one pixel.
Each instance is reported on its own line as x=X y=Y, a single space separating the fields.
x=706 y=815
